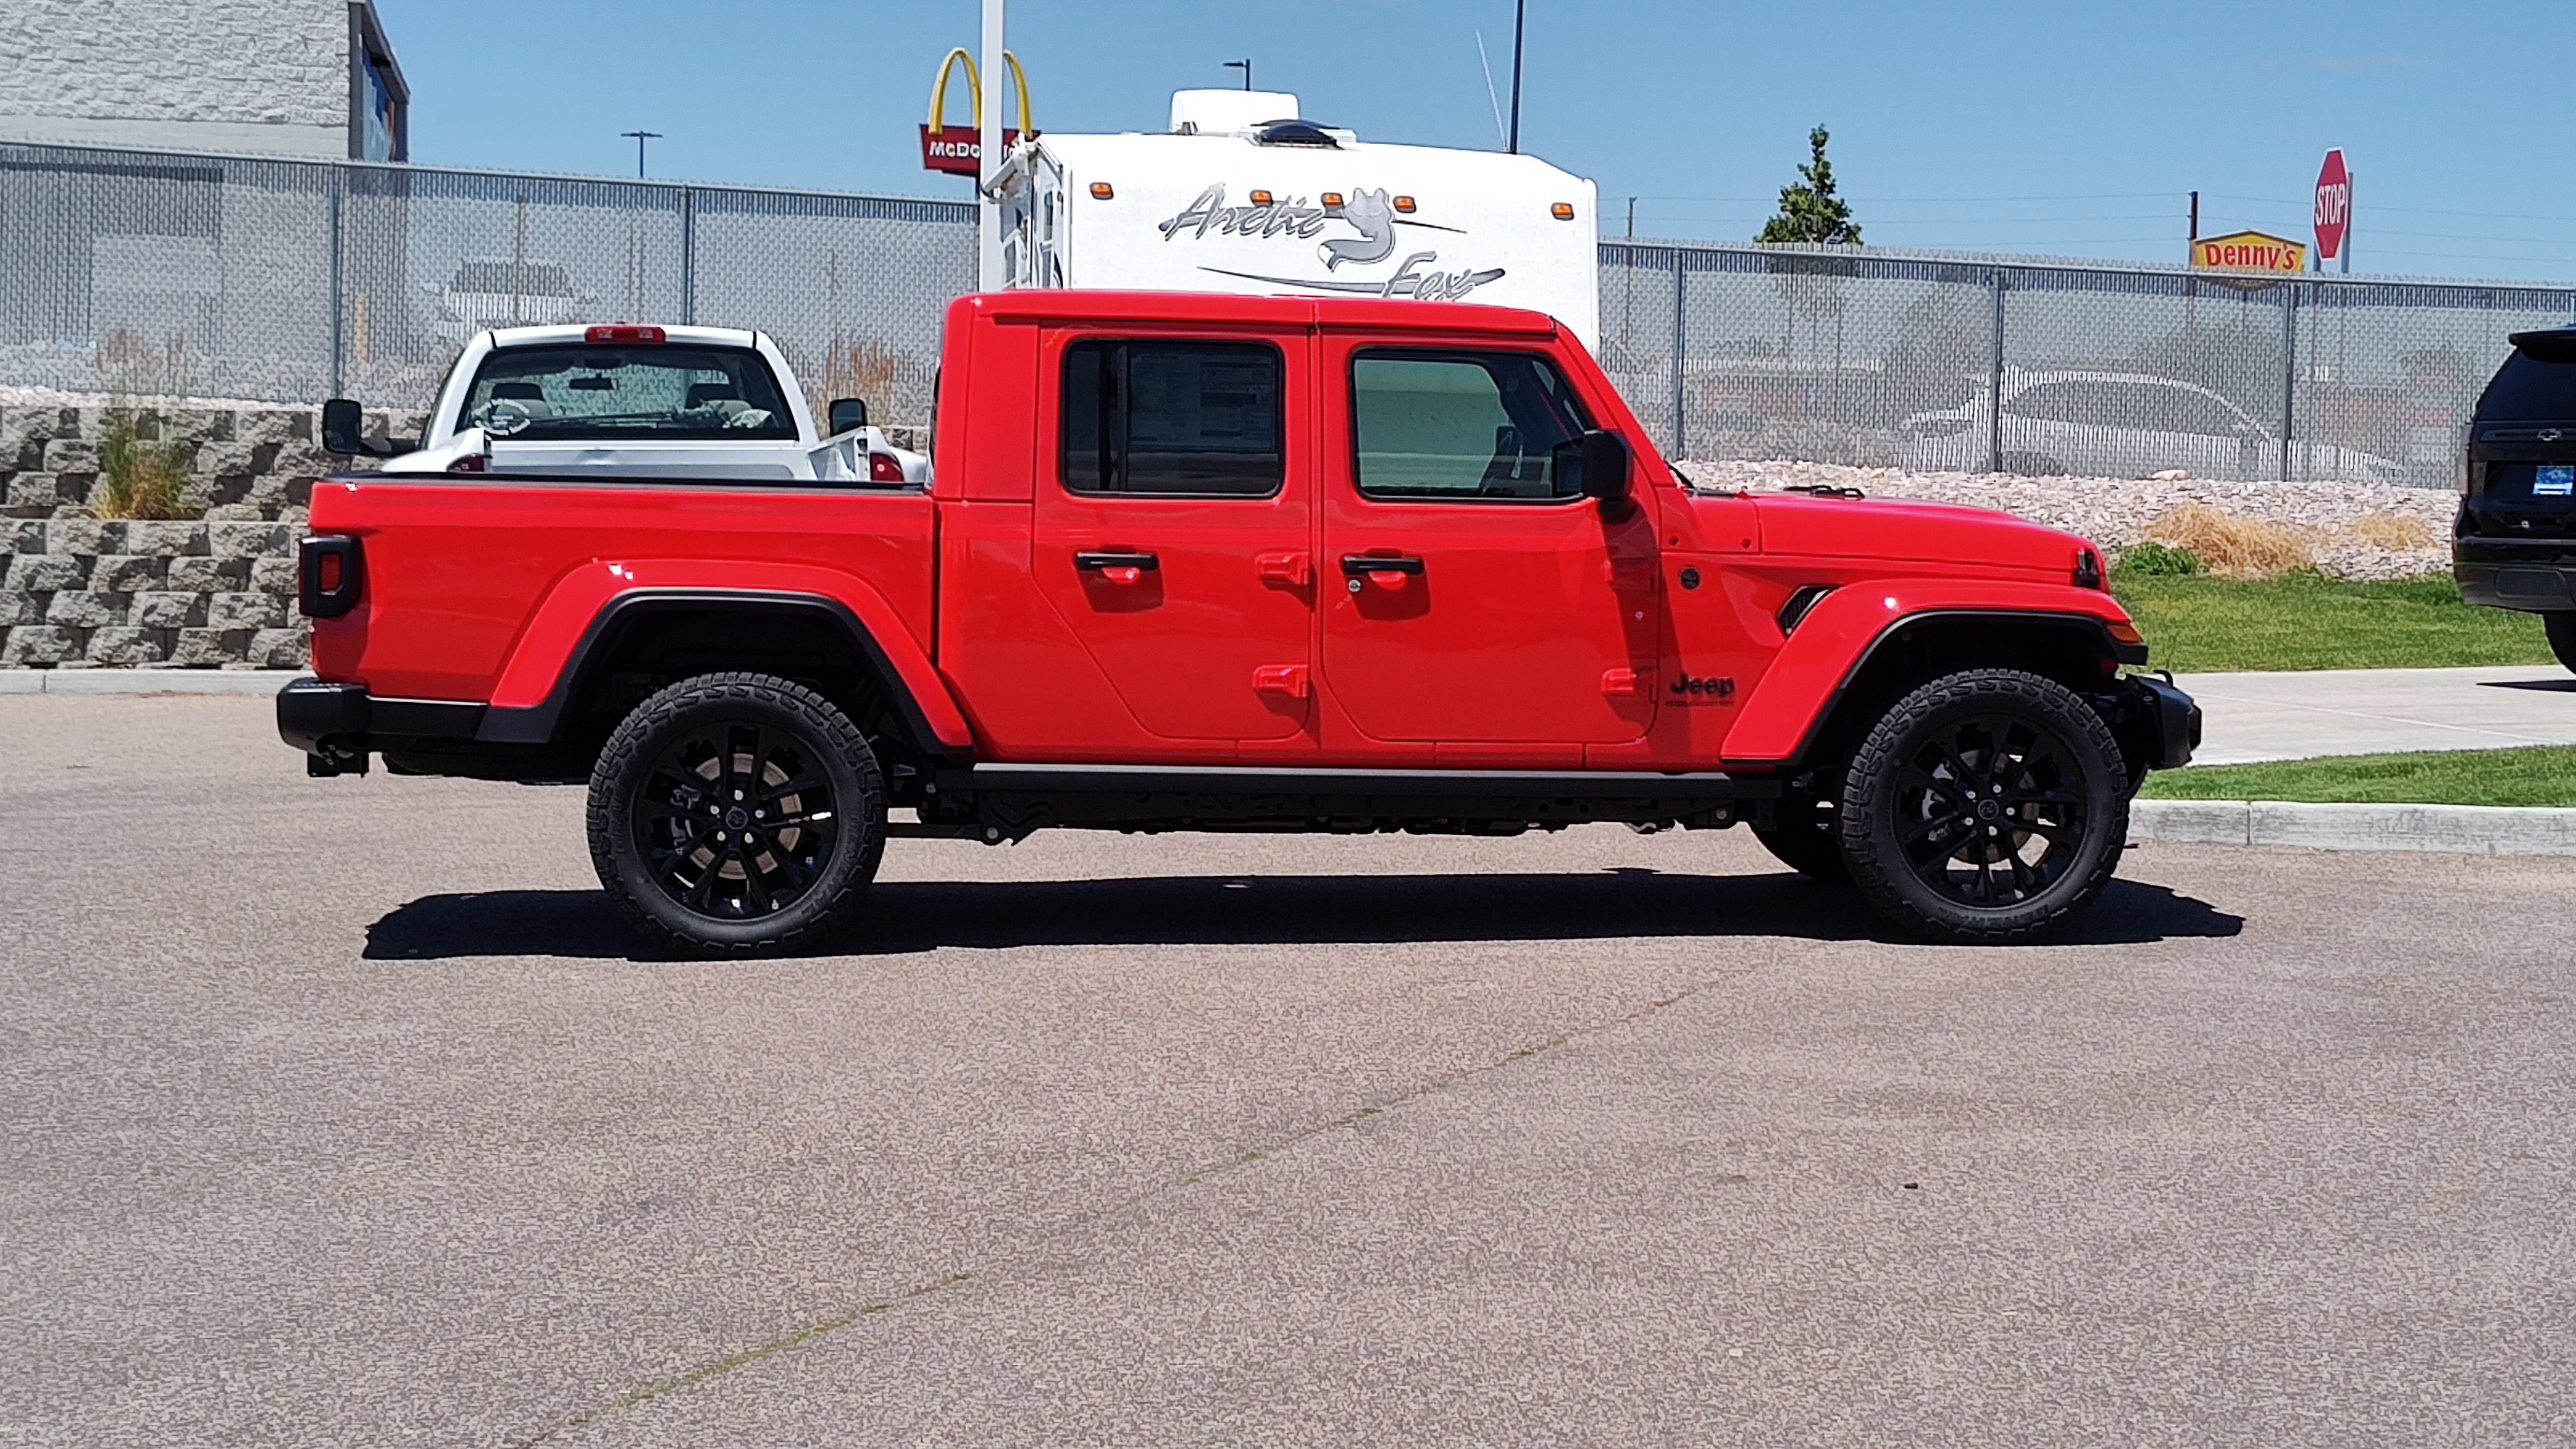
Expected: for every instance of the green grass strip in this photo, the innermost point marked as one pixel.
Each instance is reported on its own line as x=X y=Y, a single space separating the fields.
x=2306 y=621
x=2540 y=775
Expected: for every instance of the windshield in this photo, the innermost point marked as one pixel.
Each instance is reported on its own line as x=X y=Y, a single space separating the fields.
x=2527 y=389
x=581 y=392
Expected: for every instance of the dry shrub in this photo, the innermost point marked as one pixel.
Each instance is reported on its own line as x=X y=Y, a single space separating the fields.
x=2394 y=532
x=139 y=477
x=2233 y=547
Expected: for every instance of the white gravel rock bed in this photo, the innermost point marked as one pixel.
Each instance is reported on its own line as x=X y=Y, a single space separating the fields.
x=2115 y=512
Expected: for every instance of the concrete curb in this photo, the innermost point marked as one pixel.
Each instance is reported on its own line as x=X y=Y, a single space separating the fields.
x=2444 y=829
x=145 y=681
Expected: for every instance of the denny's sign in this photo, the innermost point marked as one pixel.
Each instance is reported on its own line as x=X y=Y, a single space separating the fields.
x=959 y=150
x=2249 y=251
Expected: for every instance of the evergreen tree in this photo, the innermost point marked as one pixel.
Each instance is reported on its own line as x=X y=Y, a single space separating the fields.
x=1810 y=211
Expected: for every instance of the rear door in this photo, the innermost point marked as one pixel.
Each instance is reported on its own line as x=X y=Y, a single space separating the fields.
x=1172 y=526
x=1471 y=596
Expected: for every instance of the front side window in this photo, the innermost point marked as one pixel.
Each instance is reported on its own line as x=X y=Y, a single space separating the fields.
x=1461 y=426
x=626 y=394
x=1172 y=418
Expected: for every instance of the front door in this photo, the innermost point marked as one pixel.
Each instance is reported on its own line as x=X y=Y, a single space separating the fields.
x=1172 y=526
x=1470 y=595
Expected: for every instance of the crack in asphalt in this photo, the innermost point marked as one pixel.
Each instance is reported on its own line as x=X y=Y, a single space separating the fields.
x=808 y=1334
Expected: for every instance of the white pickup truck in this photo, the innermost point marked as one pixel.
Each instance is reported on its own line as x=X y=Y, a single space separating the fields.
x=632 y=400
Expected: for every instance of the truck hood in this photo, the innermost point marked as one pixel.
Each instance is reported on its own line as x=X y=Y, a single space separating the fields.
x=1936 y=534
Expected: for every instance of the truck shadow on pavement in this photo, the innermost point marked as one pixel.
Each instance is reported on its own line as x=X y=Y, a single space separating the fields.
x=2546 y=686
x=905 y=917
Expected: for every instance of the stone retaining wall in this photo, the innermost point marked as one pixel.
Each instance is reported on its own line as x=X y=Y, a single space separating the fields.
x=89 y=591
x=81 y=591
x=209 y=591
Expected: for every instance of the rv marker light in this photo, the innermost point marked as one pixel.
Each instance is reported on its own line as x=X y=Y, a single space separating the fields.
x=1100 y=191
x=1261 y=198
x=1404 y=203
x=1562 y=211
x=1332 y=199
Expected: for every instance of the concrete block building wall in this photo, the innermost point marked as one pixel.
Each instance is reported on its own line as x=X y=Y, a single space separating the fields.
x=269 y=76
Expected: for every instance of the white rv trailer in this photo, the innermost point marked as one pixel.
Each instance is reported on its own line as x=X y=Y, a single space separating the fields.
x=1241 y=197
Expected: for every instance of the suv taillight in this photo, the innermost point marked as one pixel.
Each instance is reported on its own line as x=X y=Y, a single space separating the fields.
x=329 y=570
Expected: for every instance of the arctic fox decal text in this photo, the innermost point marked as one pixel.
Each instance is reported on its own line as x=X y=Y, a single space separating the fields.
x=1367 y=212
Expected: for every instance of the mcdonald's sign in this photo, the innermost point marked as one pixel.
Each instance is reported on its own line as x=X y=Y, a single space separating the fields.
x=959 y=150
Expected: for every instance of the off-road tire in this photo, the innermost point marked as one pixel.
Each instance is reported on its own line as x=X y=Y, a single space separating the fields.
x=2562 y=637
x=1808 y=838
x=2052 y=773
x=776 y=736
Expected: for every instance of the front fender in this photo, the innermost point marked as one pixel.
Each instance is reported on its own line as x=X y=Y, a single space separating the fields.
x=1835 y=638
x=542 y=659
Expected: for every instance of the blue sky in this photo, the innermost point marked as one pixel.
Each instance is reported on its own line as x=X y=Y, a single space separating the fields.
x=2067 y=129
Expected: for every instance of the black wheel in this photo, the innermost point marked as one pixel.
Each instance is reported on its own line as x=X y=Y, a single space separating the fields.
x=2562 y=637
x=737 y=814
x=1988 y=806
x=1808 y=838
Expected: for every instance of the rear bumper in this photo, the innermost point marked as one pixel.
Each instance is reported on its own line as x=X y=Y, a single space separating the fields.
x=2537 y=576
x=310 y=711
x=337 y=724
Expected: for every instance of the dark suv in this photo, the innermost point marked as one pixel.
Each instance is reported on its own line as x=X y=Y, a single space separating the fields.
x=2515 y=547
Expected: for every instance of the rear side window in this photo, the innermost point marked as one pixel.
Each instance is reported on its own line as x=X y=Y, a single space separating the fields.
x=584 y=393
x=1461 y=426
x=1172 y=418
x=2527 y=389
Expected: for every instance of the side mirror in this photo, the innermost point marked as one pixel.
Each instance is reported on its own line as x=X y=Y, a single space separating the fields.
x=340 y=423
x=846 y=413
x=1597 y=465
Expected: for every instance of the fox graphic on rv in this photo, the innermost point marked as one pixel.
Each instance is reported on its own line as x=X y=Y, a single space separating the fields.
x=1370 y=213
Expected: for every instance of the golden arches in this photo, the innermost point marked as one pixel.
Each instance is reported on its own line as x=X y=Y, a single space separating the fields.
x=975 y=89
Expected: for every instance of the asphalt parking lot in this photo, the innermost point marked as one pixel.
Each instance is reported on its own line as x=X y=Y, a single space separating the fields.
x=338 y=1112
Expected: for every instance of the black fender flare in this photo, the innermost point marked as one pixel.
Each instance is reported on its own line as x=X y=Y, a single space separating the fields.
x=542 y=723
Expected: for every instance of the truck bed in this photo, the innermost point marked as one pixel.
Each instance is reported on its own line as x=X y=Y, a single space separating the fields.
x=477 y=591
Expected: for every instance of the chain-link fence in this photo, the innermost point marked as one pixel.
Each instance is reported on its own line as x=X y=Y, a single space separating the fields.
x=290 y=281
x=1972 y=363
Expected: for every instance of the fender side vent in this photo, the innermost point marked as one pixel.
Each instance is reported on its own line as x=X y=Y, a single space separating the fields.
x=1800 y=601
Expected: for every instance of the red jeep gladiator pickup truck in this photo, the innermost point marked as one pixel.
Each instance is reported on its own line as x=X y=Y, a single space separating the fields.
x=1193 y=562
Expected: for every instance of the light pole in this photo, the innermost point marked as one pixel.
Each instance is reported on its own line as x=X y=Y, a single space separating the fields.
x=1246 y=67
x=640 y=138
x=988 y=149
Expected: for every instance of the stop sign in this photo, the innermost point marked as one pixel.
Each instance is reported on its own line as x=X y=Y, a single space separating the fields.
x=2334 y=205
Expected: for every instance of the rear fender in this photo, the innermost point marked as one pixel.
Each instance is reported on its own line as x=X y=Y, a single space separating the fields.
x=537 y=684
x=1834 y=640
